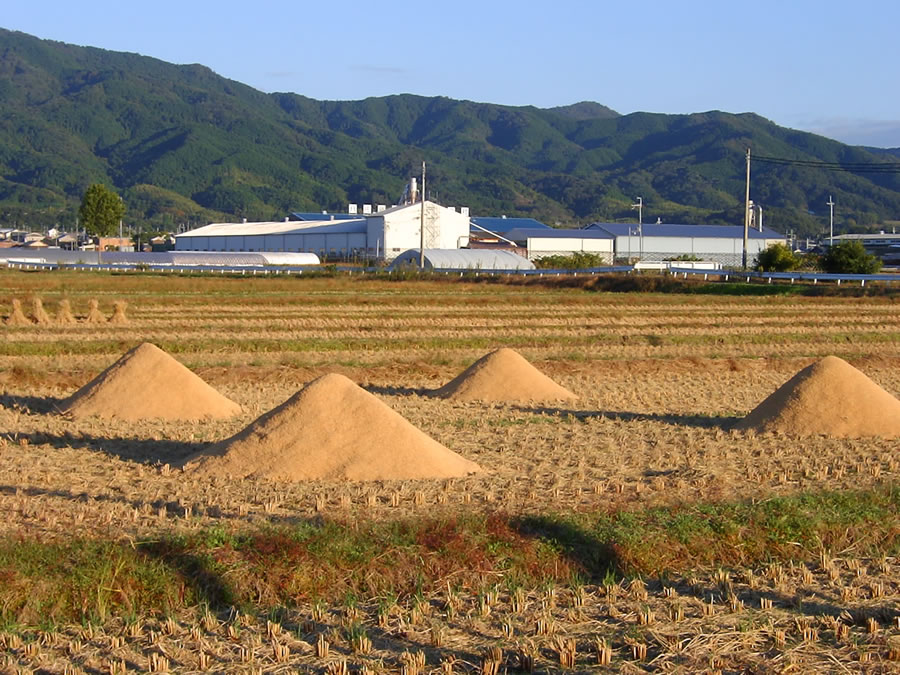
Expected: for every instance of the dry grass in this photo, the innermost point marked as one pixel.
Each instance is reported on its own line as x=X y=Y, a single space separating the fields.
x=660 y=379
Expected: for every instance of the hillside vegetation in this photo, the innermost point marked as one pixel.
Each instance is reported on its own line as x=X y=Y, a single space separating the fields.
x=184 y=145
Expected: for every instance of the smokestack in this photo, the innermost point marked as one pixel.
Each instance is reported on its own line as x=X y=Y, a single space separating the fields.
x=413 y=190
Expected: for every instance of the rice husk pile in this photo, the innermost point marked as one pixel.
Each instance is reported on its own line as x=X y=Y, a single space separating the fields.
x=503 y=375
x=16 y=317
x=829 y=397
x=64 y=314
x=148 y=383
x=119 y=312
x=331 y=429
x=94 y=313
x=39 y=313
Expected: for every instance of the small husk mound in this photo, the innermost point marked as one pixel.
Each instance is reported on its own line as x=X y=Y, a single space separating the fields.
x=39 y=313
x=503 y=375
x=64 y=314
x=148 y=383
x=829 y=397
x=119 y=312
x=94 y=314
x=331 y=429
x=16 y=317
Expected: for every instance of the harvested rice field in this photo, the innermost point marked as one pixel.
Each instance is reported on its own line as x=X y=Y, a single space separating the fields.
x=632 y=528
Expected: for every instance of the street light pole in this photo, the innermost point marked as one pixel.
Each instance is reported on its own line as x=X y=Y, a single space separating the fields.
x=746 y=215
x=640 y=207
x=830 y=203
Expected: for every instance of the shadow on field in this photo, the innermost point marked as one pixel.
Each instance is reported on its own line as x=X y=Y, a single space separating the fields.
x=397 y=391
x=699 y=421
x=131 y=449
x=37 y=405
x=591 y=556
x=202 y=578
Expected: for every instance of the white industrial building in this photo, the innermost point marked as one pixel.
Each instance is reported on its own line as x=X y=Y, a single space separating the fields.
x=395 y=230
x=339 y=237
x=715 y=243
x=383 y=235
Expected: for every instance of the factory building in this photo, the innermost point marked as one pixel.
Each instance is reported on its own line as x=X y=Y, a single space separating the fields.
x=715 y=243
x=330 y=238
x=383 y=234
x=537 y=243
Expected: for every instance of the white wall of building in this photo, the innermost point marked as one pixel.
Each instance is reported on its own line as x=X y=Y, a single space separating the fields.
x=396 y=230
x=538 y=247
x=726 y=250
x=318 y=240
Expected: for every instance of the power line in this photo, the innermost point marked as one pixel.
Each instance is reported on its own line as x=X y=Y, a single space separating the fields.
x=852 y=167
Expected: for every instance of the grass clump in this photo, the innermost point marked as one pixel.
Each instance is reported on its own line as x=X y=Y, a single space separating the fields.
x=82 y=580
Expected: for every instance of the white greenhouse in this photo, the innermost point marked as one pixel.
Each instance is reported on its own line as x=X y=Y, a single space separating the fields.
x=464 y=259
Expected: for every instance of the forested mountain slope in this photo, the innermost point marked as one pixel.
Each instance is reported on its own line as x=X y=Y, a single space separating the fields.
x=182 y=144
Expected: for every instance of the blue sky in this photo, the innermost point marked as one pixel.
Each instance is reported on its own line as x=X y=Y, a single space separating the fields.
x=824 y=66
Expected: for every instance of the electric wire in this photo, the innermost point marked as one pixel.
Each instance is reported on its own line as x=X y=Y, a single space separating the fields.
x=851 y=167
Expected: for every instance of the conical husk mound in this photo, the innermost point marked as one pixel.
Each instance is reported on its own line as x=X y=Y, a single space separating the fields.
x=148 y=383
x=16 y=317
x=64 y=314
x=94 y=314
x=829 y=397
x=503 y=375
x=331 y=429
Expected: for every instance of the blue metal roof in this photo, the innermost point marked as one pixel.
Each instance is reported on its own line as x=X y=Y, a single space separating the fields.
x=324 y=216
x=666 y=230
x=521 y=234
x=501 y=225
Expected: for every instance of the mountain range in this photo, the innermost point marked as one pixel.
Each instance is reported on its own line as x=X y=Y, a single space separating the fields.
x=183 y=145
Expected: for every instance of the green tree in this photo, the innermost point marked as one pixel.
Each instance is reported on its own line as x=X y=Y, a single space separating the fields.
x=101 y=210
x=849 y=257
x=777 y=257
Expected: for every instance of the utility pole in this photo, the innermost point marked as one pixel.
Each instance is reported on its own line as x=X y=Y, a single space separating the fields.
x=746 y=215
x=640 y=207
x=422 y=223
x=830 y=203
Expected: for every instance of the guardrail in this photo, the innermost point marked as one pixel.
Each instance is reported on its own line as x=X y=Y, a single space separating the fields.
x=176 y=269
x=722 y=275
x=814 y=277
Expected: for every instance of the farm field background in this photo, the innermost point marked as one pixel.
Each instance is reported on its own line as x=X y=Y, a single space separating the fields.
x=660 y=380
